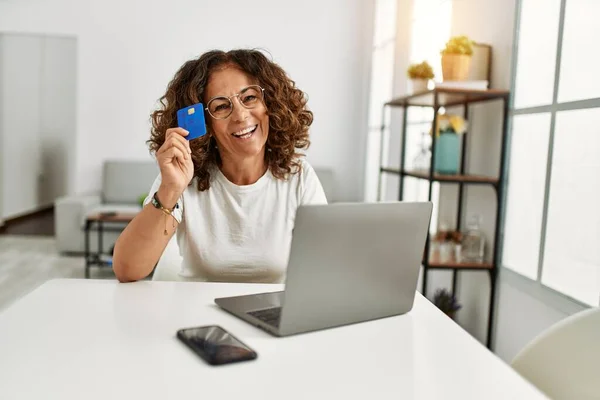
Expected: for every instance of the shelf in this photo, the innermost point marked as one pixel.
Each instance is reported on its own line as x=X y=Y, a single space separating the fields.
x=475 y=179
x=448 y=97
x=455 y=265
x=452 y=97
x=390 y=170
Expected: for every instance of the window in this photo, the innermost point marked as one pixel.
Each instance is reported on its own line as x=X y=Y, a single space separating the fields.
x=525 y=197
x=431 y=25
x=578 y=67
x=537 y=58
x=382 y=76
x=429 y=30
x=552 y=217
x=571 y=253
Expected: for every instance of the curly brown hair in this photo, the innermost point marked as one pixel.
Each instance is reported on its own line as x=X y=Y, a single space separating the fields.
x=289 y=119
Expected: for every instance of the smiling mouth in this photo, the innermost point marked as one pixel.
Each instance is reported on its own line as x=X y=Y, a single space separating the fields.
x=245 y=133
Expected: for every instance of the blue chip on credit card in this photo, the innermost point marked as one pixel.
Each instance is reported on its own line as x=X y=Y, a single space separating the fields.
x=191 y=119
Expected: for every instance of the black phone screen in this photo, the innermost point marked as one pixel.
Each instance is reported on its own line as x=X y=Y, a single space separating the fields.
x=215 y=345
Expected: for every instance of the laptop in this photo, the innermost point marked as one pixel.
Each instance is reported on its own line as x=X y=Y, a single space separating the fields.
x=348 y=263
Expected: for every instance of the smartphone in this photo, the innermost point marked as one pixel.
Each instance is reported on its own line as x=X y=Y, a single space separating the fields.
x=191 y=119
x=215 y=345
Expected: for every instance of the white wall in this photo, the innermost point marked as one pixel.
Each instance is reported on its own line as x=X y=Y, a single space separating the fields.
x=474 y=18
x=37 y=88
x=129 y=50
x=526 y=309
x=20 y=89
x=57 y=117
x=1 y=142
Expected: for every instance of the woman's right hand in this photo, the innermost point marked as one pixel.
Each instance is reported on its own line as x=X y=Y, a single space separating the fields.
x=175 y=161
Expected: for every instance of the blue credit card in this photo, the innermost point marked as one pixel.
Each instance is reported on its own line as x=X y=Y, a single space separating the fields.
x=192 y=120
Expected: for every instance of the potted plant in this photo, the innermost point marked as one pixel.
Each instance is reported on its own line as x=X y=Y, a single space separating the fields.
x=456 y=58
x=419 y=75
x=446 y=302
x=448 y=128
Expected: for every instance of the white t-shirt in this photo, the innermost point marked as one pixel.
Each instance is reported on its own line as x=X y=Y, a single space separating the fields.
x=232 y=233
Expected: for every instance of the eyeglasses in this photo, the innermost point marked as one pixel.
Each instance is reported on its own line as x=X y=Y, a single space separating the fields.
x=221 y=107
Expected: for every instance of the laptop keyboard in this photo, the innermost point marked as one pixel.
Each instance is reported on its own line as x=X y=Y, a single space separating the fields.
x=269 y=316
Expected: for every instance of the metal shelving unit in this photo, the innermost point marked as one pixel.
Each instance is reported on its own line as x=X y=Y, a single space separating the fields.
x=444 y=97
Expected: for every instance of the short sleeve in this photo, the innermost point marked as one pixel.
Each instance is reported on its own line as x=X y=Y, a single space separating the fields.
x=178 y=212
x=310 y=186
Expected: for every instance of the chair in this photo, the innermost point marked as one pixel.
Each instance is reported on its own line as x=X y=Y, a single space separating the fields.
x=563 y=361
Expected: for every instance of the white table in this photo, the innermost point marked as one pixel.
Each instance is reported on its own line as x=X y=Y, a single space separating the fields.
x=85 y=339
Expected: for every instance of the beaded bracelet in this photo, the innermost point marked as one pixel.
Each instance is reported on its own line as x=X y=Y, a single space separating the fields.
x=167 y=211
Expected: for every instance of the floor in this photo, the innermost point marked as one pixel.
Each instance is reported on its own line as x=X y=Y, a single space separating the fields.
x=41 y=223
x=27 y=261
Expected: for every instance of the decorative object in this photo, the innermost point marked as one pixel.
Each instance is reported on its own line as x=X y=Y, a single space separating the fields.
x=446 y=302
x=481 y=61
x=446 y=160
x=456 y=58
x=420 y=74
x=473 y=242
x=458 y=253
x=466 y=85
x=441 y=238
x=445 y=244
x=447 y=149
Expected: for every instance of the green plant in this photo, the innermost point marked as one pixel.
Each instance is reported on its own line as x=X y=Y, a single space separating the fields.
x=141 y=199
x=459 y=45
x=420 y=71
x=446 y=302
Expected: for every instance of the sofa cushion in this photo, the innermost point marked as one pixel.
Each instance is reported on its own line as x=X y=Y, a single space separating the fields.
x=125 y=181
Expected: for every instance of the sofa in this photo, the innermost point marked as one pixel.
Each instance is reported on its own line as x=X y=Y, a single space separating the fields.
x=123 y=183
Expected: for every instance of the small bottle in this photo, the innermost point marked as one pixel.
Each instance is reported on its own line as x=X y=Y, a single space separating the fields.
x=444 y=251
x=473 y=243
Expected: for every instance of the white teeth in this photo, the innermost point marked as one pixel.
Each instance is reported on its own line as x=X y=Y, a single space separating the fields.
x=245 y=131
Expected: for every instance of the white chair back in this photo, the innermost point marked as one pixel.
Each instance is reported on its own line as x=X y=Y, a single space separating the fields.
x=564 y=360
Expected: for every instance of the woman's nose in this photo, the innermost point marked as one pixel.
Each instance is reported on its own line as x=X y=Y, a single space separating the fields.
x=240 y=113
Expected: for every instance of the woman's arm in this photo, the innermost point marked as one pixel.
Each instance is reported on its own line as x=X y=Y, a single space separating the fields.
x=143 y=241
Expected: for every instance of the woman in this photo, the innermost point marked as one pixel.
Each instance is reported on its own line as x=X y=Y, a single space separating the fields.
x=231 y=195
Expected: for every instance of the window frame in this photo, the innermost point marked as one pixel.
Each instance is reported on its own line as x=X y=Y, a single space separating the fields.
x=559 y=300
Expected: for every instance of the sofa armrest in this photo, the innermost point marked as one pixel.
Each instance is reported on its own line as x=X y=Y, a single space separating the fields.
x=85 y=199
x=69 y=216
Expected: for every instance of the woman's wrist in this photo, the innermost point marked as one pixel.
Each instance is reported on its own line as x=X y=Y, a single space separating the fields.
x=168 y=197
